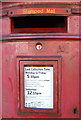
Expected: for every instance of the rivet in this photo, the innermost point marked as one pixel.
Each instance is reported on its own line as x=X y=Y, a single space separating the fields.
x=11 y=12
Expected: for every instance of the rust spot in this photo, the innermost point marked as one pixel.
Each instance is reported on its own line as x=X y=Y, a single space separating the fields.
x=63 y=48
x=60 y=49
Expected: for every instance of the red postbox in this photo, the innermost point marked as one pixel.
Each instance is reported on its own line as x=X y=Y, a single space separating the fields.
x=40 y=48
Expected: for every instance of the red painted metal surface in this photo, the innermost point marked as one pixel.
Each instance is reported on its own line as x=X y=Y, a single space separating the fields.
x=66 y=46
x=69 y=50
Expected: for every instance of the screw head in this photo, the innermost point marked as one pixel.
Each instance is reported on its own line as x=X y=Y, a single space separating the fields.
x=66 y=11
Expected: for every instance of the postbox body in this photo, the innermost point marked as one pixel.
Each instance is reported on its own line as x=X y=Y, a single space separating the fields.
x=45 y=58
